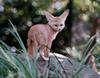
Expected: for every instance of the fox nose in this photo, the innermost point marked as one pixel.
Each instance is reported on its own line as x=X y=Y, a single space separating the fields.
x=59 y=29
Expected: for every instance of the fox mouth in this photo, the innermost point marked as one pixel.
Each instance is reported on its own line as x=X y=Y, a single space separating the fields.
x=58 y=29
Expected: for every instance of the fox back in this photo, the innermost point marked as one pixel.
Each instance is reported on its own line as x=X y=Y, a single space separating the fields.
x=41 y=36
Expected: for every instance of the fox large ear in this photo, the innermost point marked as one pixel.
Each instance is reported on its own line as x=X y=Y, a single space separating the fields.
x=48 y=16
x=64 y=15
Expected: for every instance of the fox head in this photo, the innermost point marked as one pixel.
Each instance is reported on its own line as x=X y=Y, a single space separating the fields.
x=56 y=22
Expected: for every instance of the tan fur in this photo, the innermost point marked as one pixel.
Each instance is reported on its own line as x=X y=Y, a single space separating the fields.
x=42 y=35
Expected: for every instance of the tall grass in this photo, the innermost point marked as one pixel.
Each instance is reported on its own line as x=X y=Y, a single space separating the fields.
x=87 y=51
x=24 y=69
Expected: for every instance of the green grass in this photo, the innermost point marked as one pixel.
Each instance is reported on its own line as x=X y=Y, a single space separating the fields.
x=23 y=68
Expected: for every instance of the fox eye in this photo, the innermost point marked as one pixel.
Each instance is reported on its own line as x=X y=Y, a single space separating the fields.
x=61 y=24
x=55 y=25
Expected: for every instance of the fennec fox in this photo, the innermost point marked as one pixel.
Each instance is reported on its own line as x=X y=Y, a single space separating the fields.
x=42 y=35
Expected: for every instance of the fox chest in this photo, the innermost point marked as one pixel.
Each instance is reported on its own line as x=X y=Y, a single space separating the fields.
x=47 y=37
x=51 y=37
